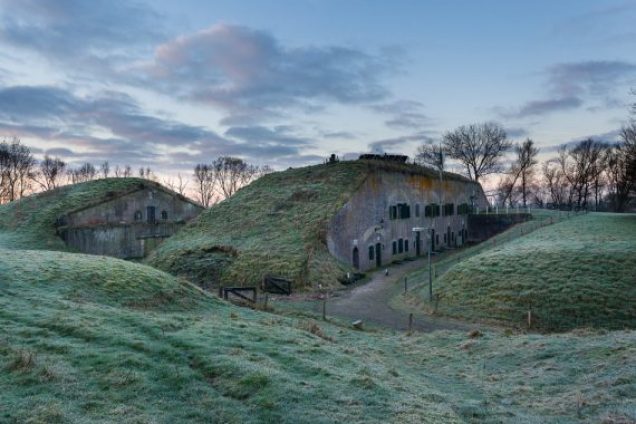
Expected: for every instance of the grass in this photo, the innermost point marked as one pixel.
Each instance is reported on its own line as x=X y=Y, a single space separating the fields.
x=77 y=347
x=575 y=273
x=89 y=339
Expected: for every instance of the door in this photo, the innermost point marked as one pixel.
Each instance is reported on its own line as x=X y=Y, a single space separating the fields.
x=151 y=214
x=417 y=244
x=356 y=258
x=378 y=255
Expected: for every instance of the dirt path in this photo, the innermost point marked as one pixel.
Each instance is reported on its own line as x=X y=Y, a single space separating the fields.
x=370 y=303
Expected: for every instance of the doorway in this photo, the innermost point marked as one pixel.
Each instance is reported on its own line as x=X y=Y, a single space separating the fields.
x=150 y=210
x=356 y=258
x=378 y=255
x=418 y=242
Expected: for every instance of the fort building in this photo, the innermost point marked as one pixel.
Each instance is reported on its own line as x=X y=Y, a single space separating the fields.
x=127 y=224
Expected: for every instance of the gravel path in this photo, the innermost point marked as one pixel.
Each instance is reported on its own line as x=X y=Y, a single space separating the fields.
x=370 y=303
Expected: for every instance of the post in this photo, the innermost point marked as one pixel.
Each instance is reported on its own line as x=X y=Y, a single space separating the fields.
x=529 y=318
x=324 y=309
x=430 y=268
x=266 y=299
x=410 y=322
x=405 y=285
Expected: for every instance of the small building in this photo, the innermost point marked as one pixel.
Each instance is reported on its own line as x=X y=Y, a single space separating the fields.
x=397 y=215
x=127 y=224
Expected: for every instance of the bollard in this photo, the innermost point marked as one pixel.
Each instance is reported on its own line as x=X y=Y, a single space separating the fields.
x=324 y=310
x=410 y=322
x=405 y=285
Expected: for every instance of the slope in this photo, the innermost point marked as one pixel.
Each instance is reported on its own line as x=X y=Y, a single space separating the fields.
x=578 y=272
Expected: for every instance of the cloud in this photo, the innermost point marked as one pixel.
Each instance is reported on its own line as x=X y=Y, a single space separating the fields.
x=405 y=114
x=133 y=136
x=516 y=132
x=571 y=85
x=607 y=137
x=252 y=76
x=84 y=32
x=542 y=107
x=396 y=144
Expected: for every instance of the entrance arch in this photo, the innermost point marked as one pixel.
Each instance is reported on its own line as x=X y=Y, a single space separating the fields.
x=356 y=258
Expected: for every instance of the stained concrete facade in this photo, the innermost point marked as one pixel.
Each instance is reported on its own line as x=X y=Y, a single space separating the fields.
x=375 y=227
x=128 y=225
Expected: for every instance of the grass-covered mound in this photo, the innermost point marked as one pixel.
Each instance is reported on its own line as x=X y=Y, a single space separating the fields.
x=275 y=225
x=71 y=351
x=98 y=279
x=578 y=272
x=29 y=223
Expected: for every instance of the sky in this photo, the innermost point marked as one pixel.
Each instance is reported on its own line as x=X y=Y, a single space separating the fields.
x=167 y=84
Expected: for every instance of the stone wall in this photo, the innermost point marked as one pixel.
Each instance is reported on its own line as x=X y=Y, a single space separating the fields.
x=129 y=226
x=365 y=222
x=122 y=210
x=126 y=241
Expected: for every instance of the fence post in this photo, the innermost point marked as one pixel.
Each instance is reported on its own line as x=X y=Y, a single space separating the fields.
x=405 y=285
x=324 y=309
x=410 y=322
x=529 y=318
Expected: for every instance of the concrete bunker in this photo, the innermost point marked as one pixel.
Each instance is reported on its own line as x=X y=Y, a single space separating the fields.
x=127 y=225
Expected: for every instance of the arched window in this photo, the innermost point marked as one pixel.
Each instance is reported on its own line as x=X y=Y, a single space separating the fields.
x=164 y=215
x=138 y=216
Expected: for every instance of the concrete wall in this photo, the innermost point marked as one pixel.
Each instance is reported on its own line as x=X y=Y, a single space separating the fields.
x=121 y=210
x=122 y=227
x=364 y=221
x=124 y=241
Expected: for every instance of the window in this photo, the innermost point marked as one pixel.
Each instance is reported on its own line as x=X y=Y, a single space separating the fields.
x=463 y=209
x=444 y=237
x=395 y=247
x=371 y=253
x=431 y=210
x=392 y=212
x=449 y=209
x=436 y=238
x=400 y=246
x=417 y=209
x=164 y=215
x=138 y=216
x=406 y=245
x=400 y=211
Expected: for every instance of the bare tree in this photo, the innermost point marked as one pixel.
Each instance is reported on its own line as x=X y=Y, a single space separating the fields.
x=178 y=185
x=233 y=173
x=85 y=172
x=479 y=147
x=521 y=171
x=51 y=171
x=104 y=169
x=556 y=182
x=431 y=155
x=17 y=169
x=205 y=179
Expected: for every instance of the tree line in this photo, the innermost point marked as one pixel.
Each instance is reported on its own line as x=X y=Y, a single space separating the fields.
x=589 y=174
x=21 y=174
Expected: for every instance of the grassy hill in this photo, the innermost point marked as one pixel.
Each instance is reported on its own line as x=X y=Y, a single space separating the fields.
x=30 y=222
x=89 y=339
x=276 y=225
x=579 y=272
